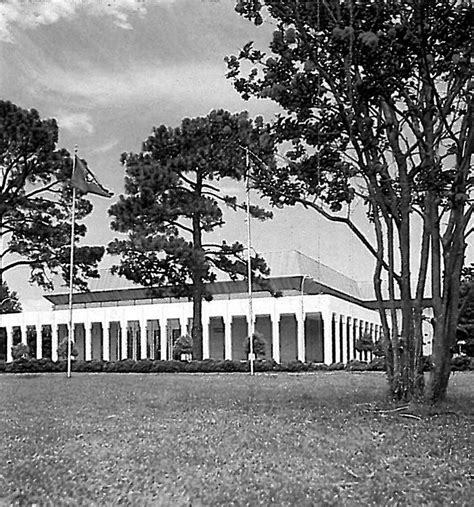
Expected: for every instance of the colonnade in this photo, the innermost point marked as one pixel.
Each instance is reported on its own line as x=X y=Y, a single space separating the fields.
x=318 y=333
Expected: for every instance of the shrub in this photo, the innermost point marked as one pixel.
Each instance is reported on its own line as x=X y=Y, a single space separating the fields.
x=62 y=349
x=60 y=366
x=20 y=351
x=192 y=367
x=124 y=366
x=44 y=365
x=336 y=367
x=259 y=345
x=209 y=365
x=233 y=366
x=167 y=366
x=109 y=366
x=461 y=363
x=142 y=366
x=94 y=366
x=377 y=364
x=356 y=365
x=365 y=343
x=183 y=346
x=294 y=366
x=19 y=365
x=266 y=365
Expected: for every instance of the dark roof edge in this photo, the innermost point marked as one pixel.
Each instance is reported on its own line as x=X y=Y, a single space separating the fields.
x=293 y=283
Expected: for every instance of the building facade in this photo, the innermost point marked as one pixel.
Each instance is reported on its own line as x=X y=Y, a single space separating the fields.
x=317 y=318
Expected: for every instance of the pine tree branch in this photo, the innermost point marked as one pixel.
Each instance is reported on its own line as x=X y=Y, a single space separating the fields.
x=43 y=189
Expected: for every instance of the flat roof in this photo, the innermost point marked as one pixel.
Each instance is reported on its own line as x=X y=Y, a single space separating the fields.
x=289 y=271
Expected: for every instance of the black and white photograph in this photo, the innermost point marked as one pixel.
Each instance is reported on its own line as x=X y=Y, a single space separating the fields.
x=236 y=253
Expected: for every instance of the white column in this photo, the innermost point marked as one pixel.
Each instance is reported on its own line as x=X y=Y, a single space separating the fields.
x=337 y=338
x=163 y=341
x=300 y=338
x=143 y=339
x=327 y=327
x=183 y=324
x=360 y=332
x=228 y=338
x=205 y=337
x=39 y=340
x=372 y=334
x=123 y=337
x=367 y=332
x=344 y=339
x=276 y=336
x=106 y=341
x=354 y=335
x=9 y=331
x=23 y=334
x=54 y=341
x=350 y=350
x=88 y=341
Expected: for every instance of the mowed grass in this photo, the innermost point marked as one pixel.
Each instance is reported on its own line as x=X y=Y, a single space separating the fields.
x=276 y=439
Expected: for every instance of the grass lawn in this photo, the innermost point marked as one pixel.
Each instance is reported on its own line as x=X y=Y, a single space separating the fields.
x=217 y=439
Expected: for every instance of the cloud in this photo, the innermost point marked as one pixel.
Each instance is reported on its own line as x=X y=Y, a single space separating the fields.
x=94 y=86
x=75 y=122
x=106 y=147
x=29 y=15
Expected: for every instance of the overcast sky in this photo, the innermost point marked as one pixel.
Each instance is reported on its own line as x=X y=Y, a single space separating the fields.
x=109 y=71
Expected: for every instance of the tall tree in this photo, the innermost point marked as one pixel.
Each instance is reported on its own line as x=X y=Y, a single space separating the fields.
x=9 y=302
x=174 y=201
x=35 y=200
x=377 y=101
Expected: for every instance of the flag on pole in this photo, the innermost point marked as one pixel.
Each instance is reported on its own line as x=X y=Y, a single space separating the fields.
x=83 y=180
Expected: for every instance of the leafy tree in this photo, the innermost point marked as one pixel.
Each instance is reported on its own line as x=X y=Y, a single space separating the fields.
x=63 y=349
x=35 y=200
x=9 y=302
x=377 y=106
x=183 y=345
x=365 y=343
x=20 y=351
x=259 y=345
x=173 y=201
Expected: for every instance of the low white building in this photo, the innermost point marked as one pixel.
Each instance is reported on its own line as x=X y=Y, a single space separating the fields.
x=318 y=318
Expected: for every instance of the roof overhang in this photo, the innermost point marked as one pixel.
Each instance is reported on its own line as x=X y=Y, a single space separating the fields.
x=283 y=284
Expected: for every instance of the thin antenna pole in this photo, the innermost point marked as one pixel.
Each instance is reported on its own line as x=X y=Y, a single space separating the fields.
x=71 y=271
x=249 y=266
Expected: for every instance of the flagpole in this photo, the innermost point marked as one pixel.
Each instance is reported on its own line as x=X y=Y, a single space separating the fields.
x=249 y=267
x=71 y=270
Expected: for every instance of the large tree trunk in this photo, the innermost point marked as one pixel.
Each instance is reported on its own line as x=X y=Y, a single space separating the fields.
x=198 y=284
x=403 y=387
x=446 y=320
x=197 y=322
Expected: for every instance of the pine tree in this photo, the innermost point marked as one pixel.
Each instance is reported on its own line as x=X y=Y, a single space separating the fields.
x=174 y=200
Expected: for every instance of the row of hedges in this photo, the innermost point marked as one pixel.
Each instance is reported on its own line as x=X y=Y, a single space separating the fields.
x=207 y=366
x=158 y=366
x=461 y=363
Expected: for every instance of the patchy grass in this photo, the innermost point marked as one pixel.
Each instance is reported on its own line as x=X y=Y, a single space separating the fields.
x=216 y=439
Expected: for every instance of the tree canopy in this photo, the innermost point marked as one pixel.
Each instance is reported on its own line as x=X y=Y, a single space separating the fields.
x=9 y=301
x=377 y=107
x=174 y=200
x=35 y=200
